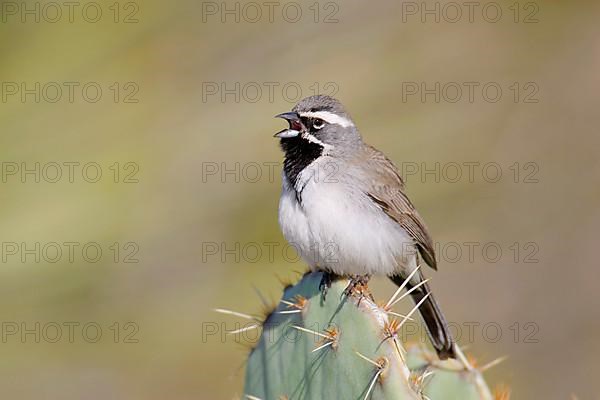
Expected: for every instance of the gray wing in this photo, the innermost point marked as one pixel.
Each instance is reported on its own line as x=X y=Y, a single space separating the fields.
x=386 y=189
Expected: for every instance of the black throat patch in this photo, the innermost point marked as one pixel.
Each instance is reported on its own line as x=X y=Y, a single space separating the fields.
x=299 y=154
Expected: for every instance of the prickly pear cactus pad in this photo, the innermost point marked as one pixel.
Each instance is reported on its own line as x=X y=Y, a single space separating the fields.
x=448 y=379
x=347 y=347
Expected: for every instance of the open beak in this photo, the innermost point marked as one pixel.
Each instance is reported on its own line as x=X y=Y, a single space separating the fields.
x=295 y=128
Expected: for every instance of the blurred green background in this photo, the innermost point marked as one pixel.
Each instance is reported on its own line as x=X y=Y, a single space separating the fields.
x=168 y=122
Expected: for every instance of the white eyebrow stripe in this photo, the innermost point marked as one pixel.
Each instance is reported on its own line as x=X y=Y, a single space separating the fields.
x=328 y=117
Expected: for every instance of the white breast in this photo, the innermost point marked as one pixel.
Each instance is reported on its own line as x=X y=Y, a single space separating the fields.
x=338 y=228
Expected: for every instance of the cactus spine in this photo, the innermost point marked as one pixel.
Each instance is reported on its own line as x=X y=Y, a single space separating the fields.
x=347 y=347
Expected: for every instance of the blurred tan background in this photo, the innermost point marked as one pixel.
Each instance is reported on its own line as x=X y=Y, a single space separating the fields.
x=172 y=128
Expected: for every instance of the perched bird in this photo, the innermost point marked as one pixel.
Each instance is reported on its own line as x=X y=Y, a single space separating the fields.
x=343 y=207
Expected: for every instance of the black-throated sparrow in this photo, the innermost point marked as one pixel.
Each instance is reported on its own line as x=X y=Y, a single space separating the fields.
x=344 y=208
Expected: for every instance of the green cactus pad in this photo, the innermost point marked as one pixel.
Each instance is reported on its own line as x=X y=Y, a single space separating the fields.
x=445 y=380
x=342 y=347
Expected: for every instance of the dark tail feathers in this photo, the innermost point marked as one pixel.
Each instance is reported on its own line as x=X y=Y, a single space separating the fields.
x=437 y=328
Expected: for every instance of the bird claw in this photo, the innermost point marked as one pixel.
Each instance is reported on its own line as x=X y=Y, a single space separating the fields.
x=358 y=283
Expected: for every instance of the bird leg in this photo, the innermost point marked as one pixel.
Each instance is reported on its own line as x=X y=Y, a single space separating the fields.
x=358 y=282
x=326 y=282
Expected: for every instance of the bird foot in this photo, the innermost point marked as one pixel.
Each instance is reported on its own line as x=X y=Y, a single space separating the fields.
x=358 y=284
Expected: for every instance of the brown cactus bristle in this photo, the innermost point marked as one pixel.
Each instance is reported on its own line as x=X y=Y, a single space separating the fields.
x=502 y=392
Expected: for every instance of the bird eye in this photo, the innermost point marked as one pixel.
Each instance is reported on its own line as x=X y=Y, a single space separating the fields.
x=318 y=123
